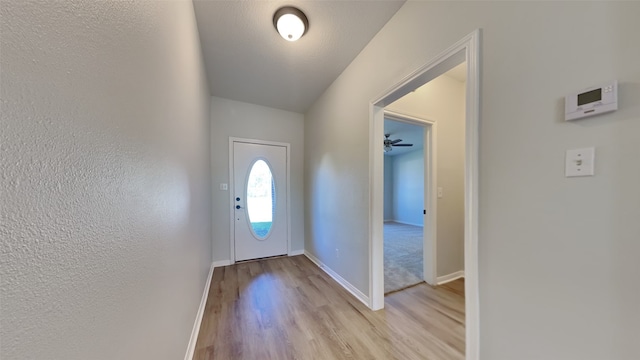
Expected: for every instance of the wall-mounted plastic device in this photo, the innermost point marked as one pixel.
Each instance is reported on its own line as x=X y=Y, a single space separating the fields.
x=593 y=101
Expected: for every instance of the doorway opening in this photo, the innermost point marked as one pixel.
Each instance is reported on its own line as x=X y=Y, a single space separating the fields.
x=466 y=50
x=409 y=209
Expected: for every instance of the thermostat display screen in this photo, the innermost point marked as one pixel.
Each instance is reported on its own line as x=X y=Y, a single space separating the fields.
x=590 y=101
x=589 y=96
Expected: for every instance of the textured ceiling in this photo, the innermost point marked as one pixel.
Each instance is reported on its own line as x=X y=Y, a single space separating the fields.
x=247 y=60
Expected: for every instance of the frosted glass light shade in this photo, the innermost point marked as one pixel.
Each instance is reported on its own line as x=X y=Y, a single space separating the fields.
x=291 y=23
x=290 y=27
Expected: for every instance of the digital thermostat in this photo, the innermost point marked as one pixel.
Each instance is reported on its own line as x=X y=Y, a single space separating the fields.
x=593 y=101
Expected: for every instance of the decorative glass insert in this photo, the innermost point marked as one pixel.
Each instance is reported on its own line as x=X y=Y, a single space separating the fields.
x=261 y=199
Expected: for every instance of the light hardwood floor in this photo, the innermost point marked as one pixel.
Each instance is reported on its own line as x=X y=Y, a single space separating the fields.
x=287 y=308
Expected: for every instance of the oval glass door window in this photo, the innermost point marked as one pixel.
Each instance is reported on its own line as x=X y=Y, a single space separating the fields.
x=261 y=199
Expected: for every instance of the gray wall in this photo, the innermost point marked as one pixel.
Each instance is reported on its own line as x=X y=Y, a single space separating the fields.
x=407 y=187
x=239 y=119
x=557 y=257
x=105 y=238
x=388 y=188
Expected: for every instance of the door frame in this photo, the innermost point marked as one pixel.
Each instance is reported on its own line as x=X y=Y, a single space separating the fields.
x=467 y=49
x=429 y=239
x=232 y=231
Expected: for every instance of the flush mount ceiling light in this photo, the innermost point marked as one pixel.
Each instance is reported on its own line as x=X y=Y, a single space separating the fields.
x=290 y=22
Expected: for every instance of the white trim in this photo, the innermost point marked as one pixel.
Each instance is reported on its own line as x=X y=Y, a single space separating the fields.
x=394 y=115
x=296 y=252
x=232 y=248
x=404 y=223
x=376 y=208
x=451 y=277
x=467 y=49
x=472 y=297
x=221 y=263
x=339 y=279
x=191 y=348
x=232 y=215
x=430 y=270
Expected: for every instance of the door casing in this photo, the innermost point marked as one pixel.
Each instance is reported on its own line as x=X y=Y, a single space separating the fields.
x=232 y=140
x=466 y=49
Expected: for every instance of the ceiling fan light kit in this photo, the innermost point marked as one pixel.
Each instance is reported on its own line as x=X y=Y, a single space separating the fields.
x=290 y=22
x=389 y=144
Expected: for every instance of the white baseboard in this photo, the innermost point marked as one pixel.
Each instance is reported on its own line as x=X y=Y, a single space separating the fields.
x=196 y=326
x=221 y=263
x=339 y=279
x=406 y=223
x=296 y=252
x=451 y=277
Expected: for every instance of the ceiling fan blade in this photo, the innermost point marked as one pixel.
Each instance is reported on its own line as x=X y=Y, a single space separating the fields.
x=402 y=145
x=396 y=141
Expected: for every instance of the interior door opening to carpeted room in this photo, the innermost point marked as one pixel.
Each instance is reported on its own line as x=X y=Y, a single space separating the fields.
x=425 y=93
x=404 y=184
x=424 y=183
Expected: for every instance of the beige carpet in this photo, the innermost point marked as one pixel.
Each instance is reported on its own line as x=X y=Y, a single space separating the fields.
x=402 y=256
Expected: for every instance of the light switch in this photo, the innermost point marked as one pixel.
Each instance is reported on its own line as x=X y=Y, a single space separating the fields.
x=224 y=187
x=440 y=192
x=580 y=162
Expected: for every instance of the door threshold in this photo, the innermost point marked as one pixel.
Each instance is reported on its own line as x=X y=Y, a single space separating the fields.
x=262 y=258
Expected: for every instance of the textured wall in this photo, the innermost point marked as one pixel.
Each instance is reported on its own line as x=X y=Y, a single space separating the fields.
x=558 y=257
x=105 y=179
x=239 y=119
x=442 y=100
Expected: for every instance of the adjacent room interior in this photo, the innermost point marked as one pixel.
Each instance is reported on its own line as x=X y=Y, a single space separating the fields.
x=440 y=106
x=403 y=205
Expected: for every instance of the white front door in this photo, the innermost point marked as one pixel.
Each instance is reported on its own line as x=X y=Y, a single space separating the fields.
x=259 y=200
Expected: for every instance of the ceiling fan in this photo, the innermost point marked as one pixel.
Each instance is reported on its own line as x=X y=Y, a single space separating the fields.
x=388 y=143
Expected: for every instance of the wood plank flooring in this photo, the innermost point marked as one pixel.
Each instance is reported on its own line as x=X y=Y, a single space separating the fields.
x=287 y=308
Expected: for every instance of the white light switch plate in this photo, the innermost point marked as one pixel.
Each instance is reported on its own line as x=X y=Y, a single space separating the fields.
x=440 y=192
x=224 y=187
x=580 y=162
